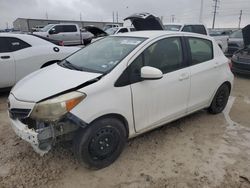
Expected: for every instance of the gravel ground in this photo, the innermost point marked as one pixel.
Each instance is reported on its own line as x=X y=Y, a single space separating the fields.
x=201 y=150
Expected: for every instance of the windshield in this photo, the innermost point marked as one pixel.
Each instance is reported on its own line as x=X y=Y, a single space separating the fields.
x=172 y=27
x=236 y=34
x=111 y=31
x=46 y=28
x=103 y=55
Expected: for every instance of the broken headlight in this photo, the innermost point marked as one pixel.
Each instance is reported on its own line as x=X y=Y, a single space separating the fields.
x=54 y=108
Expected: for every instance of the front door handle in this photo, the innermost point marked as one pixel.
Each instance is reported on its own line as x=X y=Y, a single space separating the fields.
x=5 y=57
x=184 y=76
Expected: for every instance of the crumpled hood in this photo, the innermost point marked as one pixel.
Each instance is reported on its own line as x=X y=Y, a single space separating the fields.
x=49 y=81
x=246 y=35
x=145 y=21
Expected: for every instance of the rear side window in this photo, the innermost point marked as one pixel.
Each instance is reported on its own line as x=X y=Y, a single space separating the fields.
x=12 y=44
x=69 y=28
x=201 y=50
x=4 y=45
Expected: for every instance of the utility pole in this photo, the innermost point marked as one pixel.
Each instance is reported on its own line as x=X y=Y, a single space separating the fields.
x=215 y=11
x=46 y=15
x=113 y=15
x=240 y=18
x=201 y=11
x=80 y=16
x=117 y=17
x=172 y=18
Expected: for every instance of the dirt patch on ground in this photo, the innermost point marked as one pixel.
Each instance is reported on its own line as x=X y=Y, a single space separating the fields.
x=201 y=150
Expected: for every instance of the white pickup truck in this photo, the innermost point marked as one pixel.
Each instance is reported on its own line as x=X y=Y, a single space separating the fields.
x=222 y=41
x=70 y=34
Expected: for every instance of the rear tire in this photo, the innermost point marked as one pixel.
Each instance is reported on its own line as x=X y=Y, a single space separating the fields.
x=101 y=143
x=220 y=100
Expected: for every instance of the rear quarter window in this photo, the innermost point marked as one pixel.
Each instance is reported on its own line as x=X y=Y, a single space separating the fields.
x=12 y=44
x=201 y=50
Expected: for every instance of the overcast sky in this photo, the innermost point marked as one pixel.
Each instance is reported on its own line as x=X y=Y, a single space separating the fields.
x=101 y=10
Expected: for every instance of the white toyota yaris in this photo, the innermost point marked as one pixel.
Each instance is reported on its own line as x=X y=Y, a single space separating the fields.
x=117 y=88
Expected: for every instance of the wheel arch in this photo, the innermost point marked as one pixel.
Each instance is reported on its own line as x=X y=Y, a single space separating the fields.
x=226 y=83
x=116 y=116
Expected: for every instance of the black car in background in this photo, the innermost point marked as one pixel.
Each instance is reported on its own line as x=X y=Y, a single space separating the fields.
x=241 y=58
x=235 y=42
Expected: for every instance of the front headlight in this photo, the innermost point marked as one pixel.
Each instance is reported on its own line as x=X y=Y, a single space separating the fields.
x=53 y=109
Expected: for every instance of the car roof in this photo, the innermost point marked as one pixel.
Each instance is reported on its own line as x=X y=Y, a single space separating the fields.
x=183 y=24
x=155 y=34
x=31 y=39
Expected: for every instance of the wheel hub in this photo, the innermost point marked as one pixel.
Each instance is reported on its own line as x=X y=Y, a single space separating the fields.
x=104 y=143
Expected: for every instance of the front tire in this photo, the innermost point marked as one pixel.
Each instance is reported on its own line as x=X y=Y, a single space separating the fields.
x=101 y=143
x=220 y=100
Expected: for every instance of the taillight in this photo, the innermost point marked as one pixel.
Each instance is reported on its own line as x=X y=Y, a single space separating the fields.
x=61 y=43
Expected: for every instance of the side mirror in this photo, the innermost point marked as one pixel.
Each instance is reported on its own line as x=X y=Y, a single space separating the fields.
x=151 y=73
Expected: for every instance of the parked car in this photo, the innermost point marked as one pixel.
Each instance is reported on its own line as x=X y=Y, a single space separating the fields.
x=21 y=54
x=37 y=28
x=70 y=34
x=241 y=58
x=221 y=37
x=118 y=88
x=116 y=30
x=235 y=43
x=222 y=40
x=96 y=32
x=108 y=26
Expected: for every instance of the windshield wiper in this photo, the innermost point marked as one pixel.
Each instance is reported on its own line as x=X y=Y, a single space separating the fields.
x=69 y=65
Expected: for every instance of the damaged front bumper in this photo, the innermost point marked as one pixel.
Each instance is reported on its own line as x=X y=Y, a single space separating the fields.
x=43 y=135
x=29 y=135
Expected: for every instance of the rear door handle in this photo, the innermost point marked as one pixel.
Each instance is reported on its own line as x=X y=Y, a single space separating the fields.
x=5 y=57
x=184 y=76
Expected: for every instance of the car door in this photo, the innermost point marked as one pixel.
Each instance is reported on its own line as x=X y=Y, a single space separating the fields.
x=158 y=101
x=71 y=35
x=7 y=64
x=24 y=58
x=204 y=72
x=56 y=33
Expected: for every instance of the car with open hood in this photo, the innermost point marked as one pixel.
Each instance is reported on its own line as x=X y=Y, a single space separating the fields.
x=241 y=58
x=235 y=42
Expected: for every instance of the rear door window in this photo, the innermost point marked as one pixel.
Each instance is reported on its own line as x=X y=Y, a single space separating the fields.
x=69 y=28
x=4 y=45
x=201 y=50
